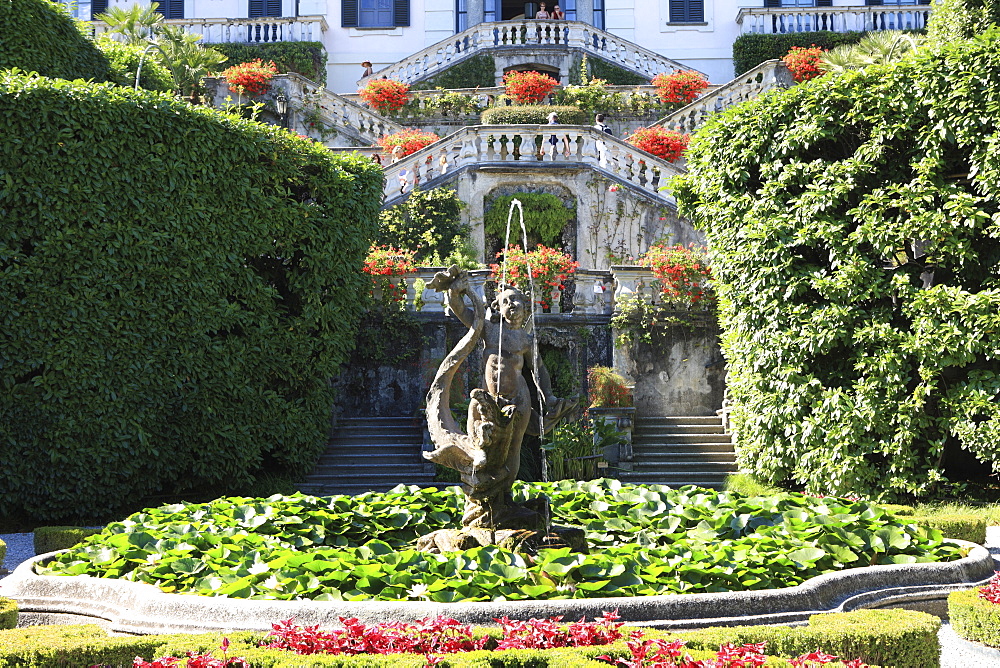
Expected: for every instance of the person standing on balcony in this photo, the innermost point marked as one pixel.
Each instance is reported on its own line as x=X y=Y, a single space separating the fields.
x=542 y=12
x=558 y=14
x=368 y=68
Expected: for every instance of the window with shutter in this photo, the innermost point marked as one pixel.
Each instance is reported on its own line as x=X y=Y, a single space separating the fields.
x=374 y=13
x=259 y=8
x=687 y=11
x=98 y=7
x=171 y=9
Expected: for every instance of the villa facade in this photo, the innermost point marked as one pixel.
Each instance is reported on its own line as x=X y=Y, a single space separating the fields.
x=697 y=33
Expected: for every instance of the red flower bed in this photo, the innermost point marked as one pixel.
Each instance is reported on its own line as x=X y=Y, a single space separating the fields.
x=253 y=78
x=680 y=87
x=385 y=95
x=550 y=267
x=411 y=139
x=385 y=262
x=528 y=87
x=804 y=62
x=661 y=142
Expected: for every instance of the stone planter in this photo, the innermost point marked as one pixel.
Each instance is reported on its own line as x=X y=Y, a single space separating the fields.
x=623 y=418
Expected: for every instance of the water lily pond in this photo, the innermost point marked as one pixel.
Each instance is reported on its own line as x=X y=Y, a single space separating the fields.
x=644 y=540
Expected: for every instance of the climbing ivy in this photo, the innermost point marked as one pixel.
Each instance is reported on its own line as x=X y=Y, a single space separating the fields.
x=306 y=58
x=545 y=217
x=475 y=71
x=854 y=222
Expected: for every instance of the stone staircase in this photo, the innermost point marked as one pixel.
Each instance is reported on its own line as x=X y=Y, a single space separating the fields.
x=370 y=453
x=679 y=451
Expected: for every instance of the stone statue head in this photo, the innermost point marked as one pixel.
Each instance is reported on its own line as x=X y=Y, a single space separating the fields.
x=512 y=305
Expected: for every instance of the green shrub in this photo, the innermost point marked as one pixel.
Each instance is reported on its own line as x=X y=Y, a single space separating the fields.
x=50 y=539
x=899 y=638
x=537 y=114
x=40 y=36
x=306 y=58
x=178 y=287
x=3 y=551
x=545 y=218
x=752 y=49
x=598 y=68
x=475 y=71
x=898 y=510
x=961 y=19
x=963 y=527
x=428 y=222
x=747 y=485
x=71 y=645
x=828 y=207
x=8 y=612
x=124 y=61
x=974 y=618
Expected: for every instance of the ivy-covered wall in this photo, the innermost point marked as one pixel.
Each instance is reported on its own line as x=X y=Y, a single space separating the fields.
x=177 y=287
x=305 y=58
x=854 y=227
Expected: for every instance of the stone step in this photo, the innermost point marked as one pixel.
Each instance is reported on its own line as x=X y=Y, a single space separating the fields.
x=680 y=419
x=655 y=449
x=643 y=428
x=668 y=457
x=679 y=466
x=671 y=437
x=360 y=469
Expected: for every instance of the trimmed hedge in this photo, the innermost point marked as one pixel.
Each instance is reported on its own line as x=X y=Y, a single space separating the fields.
x=306 y=58
x=3 y=551
x=974 y=618
x=58 y=646
x=476 y=71
x=900 y=638
x=962 y=527
x=177 y=287
x=50 y=539
x=534 y=114
x=8 y=612
x=899 y=510
x=750 y=50
x=40 y=36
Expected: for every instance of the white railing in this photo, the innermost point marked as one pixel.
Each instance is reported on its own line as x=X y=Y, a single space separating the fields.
x=253 y=31
x=773 y=20
x=528 y=33
x=769 y=74
x=530 y=146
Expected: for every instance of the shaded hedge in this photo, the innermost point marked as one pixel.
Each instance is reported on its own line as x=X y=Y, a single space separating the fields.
x=8 y=612
x=305 y=58
x=534 y=114
x=177 y=287
x=475 y=71
x=752 y=49
x=854 y=226
x=974 y=618
x=50 y=539
x=40 y=36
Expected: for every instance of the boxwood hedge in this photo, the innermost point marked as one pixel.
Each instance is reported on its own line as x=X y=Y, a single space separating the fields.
x=974 y=618
x=177 y=287
x=40 y=36
x=854 y=224
x=50 y=539
x=534 y=114
x=8 y=612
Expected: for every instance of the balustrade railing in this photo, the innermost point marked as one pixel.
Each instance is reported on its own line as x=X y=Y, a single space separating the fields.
x=773 y=20
x=531 y=145
x=253 y=31
x=528 y=33
x=769 y=74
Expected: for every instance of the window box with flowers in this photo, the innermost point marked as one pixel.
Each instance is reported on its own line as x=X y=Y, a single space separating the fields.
x=387 y=266
x=252 y=78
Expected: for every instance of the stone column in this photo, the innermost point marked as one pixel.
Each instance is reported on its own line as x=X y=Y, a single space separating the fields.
x=476 y=11
x=585 y=11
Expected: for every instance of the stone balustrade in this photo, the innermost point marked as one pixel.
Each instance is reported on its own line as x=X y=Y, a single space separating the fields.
x=527 y=32
x=530 y=146
x=773 y=20
x=769 y=74
x=253 y=31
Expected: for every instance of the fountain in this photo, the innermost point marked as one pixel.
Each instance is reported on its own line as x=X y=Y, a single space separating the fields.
x=487 y=455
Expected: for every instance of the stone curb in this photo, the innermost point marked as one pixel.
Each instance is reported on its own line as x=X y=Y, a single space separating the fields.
x=138 y=608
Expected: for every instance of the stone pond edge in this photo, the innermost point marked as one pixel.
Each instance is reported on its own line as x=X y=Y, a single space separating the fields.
x=138 y=608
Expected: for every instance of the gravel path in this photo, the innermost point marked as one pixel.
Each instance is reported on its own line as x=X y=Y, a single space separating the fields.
x=955 y=652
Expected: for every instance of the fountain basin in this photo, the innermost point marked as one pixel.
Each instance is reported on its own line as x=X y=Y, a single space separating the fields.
x=137 y=608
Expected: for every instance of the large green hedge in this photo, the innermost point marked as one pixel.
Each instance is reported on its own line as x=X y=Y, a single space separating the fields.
x=306 y=58
x=960 y=19
x=974 y=618
x=40 y=36
x=177 y=286
x=752 y=49
x=854 y=226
